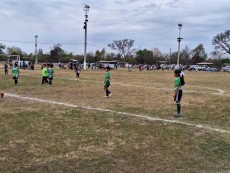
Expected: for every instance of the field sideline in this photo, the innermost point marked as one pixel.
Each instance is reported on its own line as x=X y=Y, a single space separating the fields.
x=70 y=127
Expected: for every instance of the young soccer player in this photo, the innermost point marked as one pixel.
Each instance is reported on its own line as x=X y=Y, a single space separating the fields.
x=15 y=72
x=78 y=71
x=6 y=68
x=177 y=92
x=107 y=82
x=44 y=74
x=51 y=74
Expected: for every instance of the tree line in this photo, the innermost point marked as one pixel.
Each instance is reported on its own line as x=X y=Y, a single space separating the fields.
x=126 y=52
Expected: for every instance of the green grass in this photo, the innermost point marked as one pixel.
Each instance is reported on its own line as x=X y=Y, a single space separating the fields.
x=42 y=137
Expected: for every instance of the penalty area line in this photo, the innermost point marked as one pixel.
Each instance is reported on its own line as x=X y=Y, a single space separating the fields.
x=118 y=112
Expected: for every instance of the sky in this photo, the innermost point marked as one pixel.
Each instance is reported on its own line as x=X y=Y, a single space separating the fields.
x=151 y=23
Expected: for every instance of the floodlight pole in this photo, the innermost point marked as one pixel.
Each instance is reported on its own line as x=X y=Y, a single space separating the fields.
x=36 y=49
x=179 y=40
x=86 y=10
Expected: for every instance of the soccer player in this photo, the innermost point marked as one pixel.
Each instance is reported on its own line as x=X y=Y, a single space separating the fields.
x=78 y=71
x=177 y=92
x=107 y=82
x=15 y=72
x=6 y=68
x=51 y=74
x=44 y=74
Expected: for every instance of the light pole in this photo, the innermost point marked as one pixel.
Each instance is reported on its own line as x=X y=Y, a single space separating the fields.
x=179 y=40
x=86 y=10
x=36 y=49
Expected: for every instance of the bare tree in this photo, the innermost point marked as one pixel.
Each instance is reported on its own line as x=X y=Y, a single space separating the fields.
x=123 y=47
x=222 y=42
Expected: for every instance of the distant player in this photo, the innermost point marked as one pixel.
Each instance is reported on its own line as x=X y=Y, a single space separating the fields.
x=44 y=74
x=177 y=92
x=107 y=82
x=51 y=74
x=78 y=71
x=15 y=72
x=6 y=68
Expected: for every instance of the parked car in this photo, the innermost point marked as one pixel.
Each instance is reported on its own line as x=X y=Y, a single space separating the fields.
x=194 y=67
x=226 y=68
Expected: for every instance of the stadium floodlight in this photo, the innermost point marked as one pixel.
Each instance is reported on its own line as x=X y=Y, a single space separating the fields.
x=86 y=10
x=179 y=40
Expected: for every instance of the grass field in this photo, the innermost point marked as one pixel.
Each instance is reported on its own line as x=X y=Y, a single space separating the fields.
x=96 y=134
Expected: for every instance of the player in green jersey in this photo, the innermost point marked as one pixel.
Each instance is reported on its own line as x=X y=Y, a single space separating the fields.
x=177 y=92
x=107 y=82
x=44 y=74
x=51 y=74
x=15 y=72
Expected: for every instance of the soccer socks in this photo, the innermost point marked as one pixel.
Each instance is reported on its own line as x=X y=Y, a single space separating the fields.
x=50 y=82
x=15 y=82
x=107 y=92
x=178 y=109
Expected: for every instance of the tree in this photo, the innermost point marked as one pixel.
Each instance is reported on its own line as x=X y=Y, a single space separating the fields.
x=199 y=54
x=2 y=46
x=185 y=56
x=173 y=58
x=40 y=52
x=144 y=56
x=56 y=53
x=90 y=57
x=222 y=42
x=140 y=56
x=14 y=51
x=123 y=47
x=157 y=55
x=99 y=55
x=112 y=56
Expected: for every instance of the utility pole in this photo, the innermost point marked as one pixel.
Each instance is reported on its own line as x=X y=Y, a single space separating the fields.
x=36 y=49
x=179 y=40
x=86 y=10
x=170 y=56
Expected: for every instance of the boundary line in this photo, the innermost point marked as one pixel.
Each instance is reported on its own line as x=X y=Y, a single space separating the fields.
x=118 y=112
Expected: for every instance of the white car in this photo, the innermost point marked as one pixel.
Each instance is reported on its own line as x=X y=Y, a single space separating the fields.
x=226 y=68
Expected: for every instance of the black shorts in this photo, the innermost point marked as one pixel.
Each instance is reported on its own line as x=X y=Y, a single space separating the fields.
x=178 y=96
x=106 y=85
x=50 y=78
x=15 y=77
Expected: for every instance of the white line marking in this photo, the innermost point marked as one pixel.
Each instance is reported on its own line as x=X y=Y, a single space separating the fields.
x=121 y=113
x=220 y=92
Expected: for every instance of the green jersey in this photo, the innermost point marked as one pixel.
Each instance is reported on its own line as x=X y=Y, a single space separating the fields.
x=51 y=73
x=106 y=77
x=15 y=71
x=177 y=83
x=44 y=72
